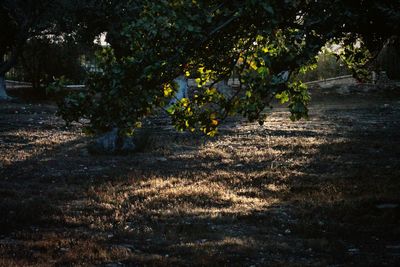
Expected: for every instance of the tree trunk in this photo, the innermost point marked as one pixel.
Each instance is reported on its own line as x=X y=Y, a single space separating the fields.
x=5 y=66
x=3 y=93
x=389 y=58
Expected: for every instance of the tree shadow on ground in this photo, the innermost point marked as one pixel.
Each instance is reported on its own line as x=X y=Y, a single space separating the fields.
x=289 y=194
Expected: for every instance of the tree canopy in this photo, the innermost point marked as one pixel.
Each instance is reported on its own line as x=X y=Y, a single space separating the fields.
x=263 y=42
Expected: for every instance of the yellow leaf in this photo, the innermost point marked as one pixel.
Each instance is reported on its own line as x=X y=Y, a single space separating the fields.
x=167 y=90
x=185 y=102
x=253 y=65
x=212 y=133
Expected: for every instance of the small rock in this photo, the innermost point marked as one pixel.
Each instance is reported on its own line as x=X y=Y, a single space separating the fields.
x=113 y=143
x=105 y=144
x=287 y=231
x=162 y=159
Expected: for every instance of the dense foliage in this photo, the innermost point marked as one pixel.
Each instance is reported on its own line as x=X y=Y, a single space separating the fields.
x=263 y=42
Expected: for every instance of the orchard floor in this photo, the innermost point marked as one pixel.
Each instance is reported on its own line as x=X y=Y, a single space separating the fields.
x=323 y=192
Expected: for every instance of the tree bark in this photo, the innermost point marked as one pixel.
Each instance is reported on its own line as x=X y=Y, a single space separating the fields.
x=3 y=92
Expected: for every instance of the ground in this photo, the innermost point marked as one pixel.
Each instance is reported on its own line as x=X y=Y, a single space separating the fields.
x=323 y=192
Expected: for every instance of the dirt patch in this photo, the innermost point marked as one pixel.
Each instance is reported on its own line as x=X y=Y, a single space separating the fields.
x=324 y=192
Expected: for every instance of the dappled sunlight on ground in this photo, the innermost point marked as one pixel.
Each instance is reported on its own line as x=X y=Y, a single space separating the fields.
x=287 y=193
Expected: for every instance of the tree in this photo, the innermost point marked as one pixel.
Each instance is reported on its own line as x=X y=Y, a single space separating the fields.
x=389 y=58
x=261 y=41
x=44 y=22
x=21 y=20
x=45 y=59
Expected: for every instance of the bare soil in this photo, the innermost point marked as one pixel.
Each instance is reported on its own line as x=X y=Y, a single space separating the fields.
x=322 y=192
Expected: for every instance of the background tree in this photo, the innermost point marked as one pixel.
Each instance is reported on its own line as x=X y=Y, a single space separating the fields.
x=28 y=27
x=389 y=58
x=21 y=20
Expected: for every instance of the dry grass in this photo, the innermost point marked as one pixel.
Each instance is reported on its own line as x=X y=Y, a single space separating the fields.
x=287 y=194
